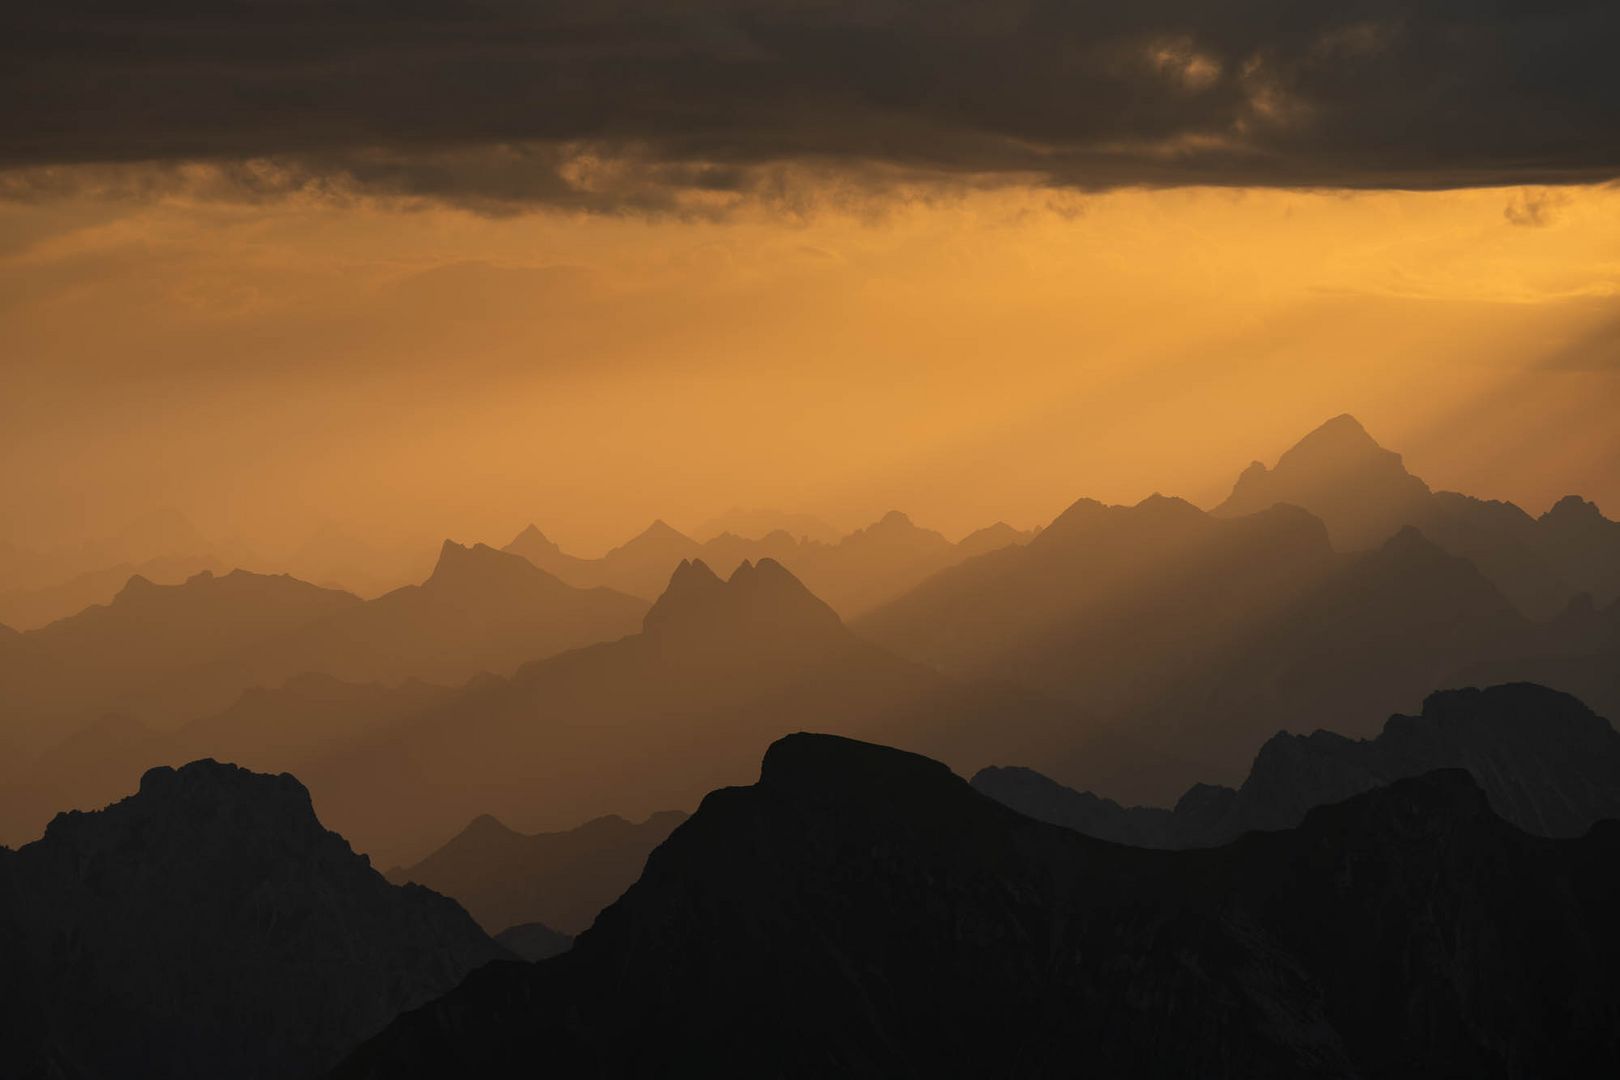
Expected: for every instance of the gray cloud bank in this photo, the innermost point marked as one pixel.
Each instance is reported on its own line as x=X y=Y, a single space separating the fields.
x=612 y=104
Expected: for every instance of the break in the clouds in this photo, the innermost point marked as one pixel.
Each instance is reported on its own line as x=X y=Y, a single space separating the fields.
x=662 y=103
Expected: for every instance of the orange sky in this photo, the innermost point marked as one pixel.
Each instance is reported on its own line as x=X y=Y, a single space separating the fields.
x=407 y=372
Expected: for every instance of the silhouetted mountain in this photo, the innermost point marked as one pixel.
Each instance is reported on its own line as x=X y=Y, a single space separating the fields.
x=1188 y=638
x=533 y=941
x=332 y=556
x=753 y=523
x=1365 y=495
x=162 y=658
x=480 y=610
x=654 y=720
x=992 y=538
x=1361 y=491
x=505 y=878
x=208 y=926
x=856 y=573
x=861 y=912
x=29 y=609
x=1546 y=763
x=143 y=646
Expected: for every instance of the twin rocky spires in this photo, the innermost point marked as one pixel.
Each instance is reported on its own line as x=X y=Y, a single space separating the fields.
x=761 y=597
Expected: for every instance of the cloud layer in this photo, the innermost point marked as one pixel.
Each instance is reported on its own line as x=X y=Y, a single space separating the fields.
x=659 y=104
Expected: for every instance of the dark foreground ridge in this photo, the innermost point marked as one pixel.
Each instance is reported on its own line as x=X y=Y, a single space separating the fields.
x=1546 y=763
x=207 y=927
x=861 y=911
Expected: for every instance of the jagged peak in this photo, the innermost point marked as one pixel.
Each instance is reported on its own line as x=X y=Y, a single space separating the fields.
x=757 y=595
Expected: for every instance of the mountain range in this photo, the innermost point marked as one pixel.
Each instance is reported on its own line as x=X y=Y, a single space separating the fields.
x=654 y=720
x=860 y=911
x=1545 y=762
x=1365 y=495
x=209 y=926
x=852 y=574
x=169 y=654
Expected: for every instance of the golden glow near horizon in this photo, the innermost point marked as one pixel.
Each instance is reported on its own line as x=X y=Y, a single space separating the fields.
x=411 y=372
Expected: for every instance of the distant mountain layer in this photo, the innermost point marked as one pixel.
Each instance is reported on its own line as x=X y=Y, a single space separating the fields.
x=852 y=574
x=563 y=880
x=169 y=654
x=655 y=720
x=1545 y=762
x=29 y=609
x=1365 y=495
x=208 y=926
x=1188 y=638
x=862 y=912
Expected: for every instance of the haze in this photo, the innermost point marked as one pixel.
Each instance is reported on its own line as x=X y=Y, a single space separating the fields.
x=403 y=374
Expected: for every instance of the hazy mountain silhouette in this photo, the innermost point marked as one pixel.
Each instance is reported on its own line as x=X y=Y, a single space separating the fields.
x=853 y=574
x=533 y=941
x=480 y=610
x=753 y=523
x=161 y=658
x=1578 y=652
x=1188 y=638
x=1546 y=763
x=1361 y=491
x=176 y=652
x=1365 y=495
x=506 y=878
x=159 y=536
x=208 y=926
x=655 y=720
x=145 y=643
x=333 y=556
x=861 y=911
x=29 y=609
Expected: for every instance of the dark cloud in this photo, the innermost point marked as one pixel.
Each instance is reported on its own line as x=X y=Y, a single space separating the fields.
x=664 y=104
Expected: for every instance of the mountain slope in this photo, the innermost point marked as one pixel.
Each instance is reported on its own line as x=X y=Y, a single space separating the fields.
x=506 y=879
x=862 y=912
x=1545 y=762
x=1191 y=637
x=654 y=720
x=209 y=926
x=1365 y=496
x=852 y=574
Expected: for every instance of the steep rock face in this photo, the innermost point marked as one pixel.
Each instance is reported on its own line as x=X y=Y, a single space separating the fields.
x=862 y=912
x=506 y=878
x=1545 y=762
x=208 y=926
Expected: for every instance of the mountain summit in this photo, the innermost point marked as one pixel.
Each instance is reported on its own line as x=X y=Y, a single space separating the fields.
x=1338 y=472
x=760 y=599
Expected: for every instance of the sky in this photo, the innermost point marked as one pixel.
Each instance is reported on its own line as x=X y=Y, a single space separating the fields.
x=448 y=268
